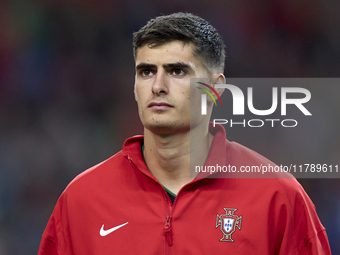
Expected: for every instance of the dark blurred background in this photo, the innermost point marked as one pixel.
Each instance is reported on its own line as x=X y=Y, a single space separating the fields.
x=66 y=92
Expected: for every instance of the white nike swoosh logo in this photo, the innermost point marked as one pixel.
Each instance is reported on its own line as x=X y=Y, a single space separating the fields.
x=103 y=232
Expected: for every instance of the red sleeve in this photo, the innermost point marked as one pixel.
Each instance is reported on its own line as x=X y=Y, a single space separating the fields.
x=308 y=232
x=47 y=247
x=317 y=244
x=56 y=238
x=48 y=244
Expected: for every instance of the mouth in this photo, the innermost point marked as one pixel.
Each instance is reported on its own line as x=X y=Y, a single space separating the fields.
x=159 y=106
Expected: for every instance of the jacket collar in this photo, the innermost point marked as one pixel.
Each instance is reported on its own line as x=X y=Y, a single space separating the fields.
x=132 y=150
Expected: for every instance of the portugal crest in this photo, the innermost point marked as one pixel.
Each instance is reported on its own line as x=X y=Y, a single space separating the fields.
x=228 y=223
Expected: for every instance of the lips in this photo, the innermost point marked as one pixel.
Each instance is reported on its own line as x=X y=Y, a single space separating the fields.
x=159 y=105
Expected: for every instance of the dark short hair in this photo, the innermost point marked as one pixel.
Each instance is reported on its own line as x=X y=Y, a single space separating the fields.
x=188 y=28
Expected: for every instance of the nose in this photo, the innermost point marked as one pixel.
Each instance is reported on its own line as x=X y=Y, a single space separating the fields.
x=160 y=84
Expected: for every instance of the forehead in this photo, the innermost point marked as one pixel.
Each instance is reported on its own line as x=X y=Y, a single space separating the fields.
x=171 y=52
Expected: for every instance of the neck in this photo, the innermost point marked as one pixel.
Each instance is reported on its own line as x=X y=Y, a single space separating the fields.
x=168 y=156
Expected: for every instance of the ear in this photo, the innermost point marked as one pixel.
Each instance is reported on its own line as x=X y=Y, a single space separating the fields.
x=134 y=91
x=219 y=78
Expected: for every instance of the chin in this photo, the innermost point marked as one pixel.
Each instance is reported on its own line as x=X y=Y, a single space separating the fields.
x=166 y=127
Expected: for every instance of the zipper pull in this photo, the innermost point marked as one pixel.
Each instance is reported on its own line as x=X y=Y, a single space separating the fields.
x=168 y=231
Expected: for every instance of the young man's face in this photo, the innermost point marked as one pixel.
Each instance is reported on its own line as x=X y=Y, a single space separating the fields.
x=162 y=86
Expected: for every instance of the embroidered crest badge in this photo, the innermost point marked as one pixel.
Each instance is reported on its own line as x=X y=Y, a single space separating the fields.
x=228 y=223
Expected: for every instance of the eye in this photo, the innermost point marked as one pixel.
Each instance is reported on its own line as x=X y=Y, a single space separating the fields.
x=178 y=72
x=146 y=72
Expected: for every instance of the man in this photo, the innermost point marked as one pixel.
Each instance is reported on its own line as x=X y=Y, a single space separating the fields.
x=143 y=199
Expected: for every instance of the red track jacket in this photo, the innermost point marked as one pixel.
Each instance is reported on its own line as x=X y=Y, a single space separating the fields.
x=118 y=207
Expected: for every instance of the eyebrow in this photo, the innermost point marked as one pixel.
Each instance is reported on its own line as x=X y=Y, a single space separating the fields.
x=170 y=65
x=145 y=66
x=177 y=65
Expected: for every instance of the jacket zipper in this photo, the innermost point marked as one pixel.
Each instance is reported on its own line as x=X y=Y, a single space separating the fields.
x=170 y=207
x=168 y=221
x=168 y=231
x=169 y=212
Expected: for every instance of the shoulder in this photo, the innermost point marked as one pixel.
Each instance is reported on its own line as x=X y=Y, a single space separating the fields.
x=287 y=200
x=263 y=176
x=242 y=154
x=101 y=181
x=272 y=176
